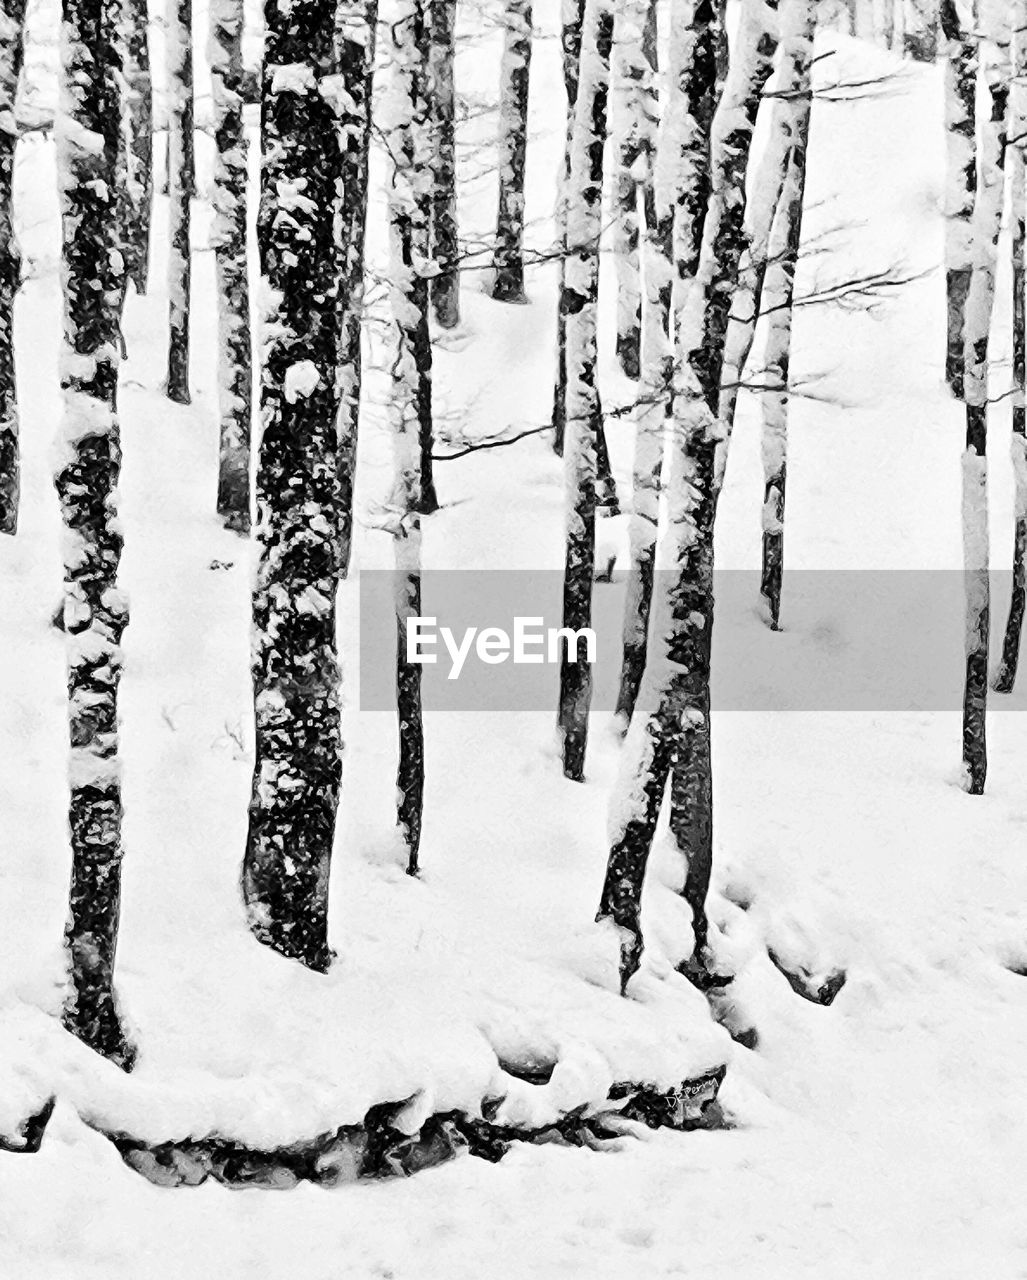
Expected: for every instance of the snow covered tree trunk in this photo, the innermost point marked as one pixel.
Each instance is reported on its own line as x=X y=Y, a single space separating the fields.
x=679 y=200
x=960 y=182
x=180 y=189
x=295 y=666
x=572 y=17
x=12 y=20
x=636 y=113
x=670 y=731
x=445 y=245
x=789 y=126
x=410 y=194
x=583 y=411
x=95 y=611
x=508 y=260
x=140 y=139
x=235 y=358
x=1005 y=677
x=357 y=24
x=987 y=222
x=781 y=287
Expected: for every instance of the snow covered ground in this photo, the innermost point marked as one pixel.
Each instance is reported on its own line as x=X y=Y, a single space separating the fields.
x=883 y=1136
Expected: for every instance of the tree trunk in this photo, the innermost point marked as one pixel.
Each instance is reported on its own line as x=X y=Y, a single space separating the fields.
x=181 y=183
x=357 y=23
x=795 y=110
x=295 y=666
x=235 y=356
x=583 y=411
x=409 y=216
x=960 y=183
x=95 y=611
x=445 y=245
x=573 y=17
x=987 y=220
x=671 y=726
x=508 y=260
x=789 y=121
x=636 y=114
x=1006 y=676
x=12 y=21
x=140 y=140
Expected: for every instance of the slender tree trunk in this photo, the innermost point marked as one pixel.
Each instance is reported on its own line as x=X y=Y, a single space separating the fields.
x=671 y=727
x=987 y=222
x=295 y=666
x=445 y=245
x=140 y=140
x=508 y=260
x=357 y=30
x=235 y=356
x=800 y=16
x=409 y=214
x=1005 y=677
x=95 y=611
x=12 y=21
x=961 y=183
x=583 y=412
x=180 y=189
x=636 y=114
x=572 y=17
x=789 y=121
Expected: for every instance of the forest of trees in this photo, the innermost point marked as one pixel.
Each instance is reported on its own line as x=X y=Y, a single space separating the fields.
x=663 y=99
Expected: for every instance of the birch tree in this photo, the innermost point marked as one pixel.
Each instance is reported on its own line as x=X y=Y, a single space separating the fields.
x=508 y=259
x=12 y=21
x=1005 y=677
x=583 y=409
x=139 y=88
x=180 y=190
x=637 y=113
x=357 y=24
x=295 y=665
x=799 y=21
x=410 y=193
x=987 y=221
x=669 y=734
x=95 y=611
x=445 y=245
x=960 y=182
x=235 y=360
x=789 y=128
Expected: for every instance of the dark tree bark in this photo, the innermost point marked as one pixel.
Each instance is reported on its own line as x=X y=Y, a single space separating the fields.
x=583 y=411
x=235 y=354
x=508 y=259
x=12 y=21
x=295 y=666
x=445 y=245
x=357 y=26
x=409 y=216
x=181 y=184
x=95 y=611
x=140 y=140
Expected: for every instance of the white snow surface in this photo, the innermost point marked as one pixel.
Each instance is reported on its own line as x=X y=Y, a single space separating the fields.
x=884 y=1136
